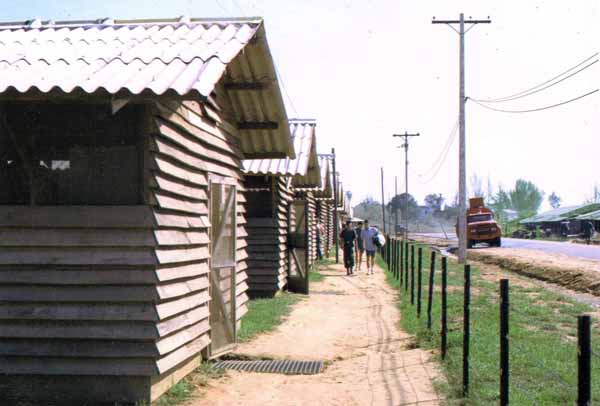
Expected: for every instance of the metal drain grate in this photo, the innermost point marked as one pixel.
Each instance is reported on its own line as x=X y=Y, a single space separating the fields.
x=288 y=367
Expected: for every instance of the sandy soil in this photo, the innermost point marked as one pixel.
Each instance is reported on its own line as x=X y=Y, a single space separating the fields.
x=352 y=323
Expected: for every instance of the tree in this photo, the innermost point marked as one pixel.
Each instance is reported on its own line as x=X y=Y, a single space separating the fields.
x=397 y=203
x=554 y=200
x=434 y=202
x=595 y=196
x=369 y=209
x=476 y=188
x=526 y=198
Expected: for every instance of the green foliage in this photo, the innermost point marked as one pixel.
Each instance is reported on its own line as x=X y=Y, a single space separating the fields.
x=543 y=347
x=369 y=209
x=265 y=314
x=554 y=200
x=526 y=198
x=434 y=201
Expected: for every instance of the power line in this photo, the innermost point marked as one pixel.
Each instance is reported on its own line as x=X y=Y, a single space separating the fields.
x=441 y=164
x=543 y=83
x=537 y=90
x=446 y=145
x=222 y=8
x=536 y=109
x=286 y=92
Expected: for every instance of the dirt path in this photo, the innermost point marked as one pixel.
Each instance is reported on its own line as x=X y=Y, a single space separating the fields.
x=351 y=322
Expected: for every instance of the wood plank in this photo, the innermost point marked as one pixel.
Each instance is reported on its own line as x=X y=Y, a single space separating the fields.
x=182 y=337
x=174 y=307
x=181 y=237
x=170 y=272
x=77 y=348
x=79 y=311
x=76 y=216
x=35 y=293
x=183 y=320
x=171 y=203
x=77 y=366
x=76 y=256
x=164 y=382
x=96 y=276
x=176 y=289
x=180 y=220
x=172 y=186
x=170 y=168
x=79 y=329
x=167 y=256
x=183 y=353
x=75 y=237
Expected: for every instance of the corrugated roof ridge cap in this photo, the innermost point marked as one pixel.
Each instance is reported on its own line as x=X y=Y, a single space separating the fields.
x=112 y=21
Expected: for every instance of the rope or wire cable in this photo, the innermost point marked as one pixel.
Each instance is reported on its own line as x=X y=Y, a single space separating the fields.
x=543 y=83
x=286 y=92
x=441 y=164
x=222 y=7
x=536 y=109
x=537 y=90
x=448 y=141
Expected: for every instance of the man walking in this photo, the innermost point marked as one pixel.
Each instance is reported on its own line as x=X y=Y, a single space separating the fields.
x=367 y=236
x=360 y=246
x=348 y=237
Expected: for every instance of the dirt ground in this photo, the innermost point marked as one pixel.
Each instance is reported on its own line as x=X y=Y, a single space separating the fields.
x=352 y=324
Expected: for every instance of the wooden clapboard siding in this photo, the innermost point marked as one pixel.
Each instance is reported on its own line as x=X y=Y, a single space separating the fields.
x=78 y=290
x=267 y=237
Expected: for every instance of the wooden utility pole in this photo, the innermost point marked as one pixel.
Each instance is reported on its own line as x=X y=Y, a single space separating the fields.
x=462 y=167
x=405 y=146
x=395 y=208
x=336 y=237
x=382 y=201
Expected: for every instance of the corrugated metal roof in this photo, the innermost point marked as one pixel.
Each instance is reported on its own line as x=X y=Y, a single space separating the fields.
x=304 y=168
x=562 y=213
x=326 y=189
x=185 y=57
x=595 y=215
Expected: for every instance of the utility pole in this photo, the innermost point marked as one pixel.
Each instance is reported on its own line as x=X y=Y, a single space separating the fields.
x=336 y=237
x=395 y=208
x=405 y=146
x=382 y=201
x=462 y=167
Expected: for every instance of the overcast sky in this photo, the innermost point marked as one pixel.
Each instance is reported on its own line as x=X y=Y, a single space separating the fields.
x=368 y=69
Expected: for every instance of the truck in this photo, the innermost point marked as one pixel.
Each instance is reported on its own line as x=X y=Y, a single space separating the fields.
x=481 y=226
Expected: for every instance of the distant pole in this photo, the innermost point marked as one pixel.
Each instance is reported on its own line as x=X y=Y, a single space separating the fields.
x=396 y=207
x=405 y=146
x=462 y=167
x=382 y=201
x=336 y=237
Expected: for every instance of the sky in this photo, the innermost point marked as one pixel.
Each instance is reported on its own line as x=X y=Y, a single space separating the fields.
x=366 y=69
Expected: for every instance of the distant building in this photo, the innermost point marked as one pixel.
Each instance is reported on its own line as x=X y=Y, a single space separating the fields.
x=564 y=220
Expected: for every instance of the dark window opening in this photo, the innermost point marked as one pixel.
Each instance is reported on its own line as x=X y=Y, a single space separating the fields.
x=67 y=154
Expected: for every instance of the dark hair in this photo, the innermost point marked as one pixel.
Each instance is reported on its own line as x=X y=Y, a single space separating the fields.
x=366 y=221
x=360 y=223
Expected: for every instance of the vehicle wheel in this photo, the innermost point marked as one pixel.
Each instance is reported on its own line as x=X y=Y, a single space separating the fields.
x=469 y=243
x=499 y=242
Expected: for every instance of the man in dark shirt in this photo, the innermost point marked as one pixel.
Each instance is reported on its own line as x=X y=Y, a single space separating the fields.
x=348 y=237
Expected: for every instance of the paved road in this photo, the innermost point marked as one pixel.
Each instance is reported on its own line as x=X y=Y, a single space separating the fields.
x=566 y=248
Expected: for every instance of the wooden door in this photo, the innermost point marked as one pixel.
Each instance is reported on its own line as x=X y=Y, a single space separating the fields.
x=298 y=269
x=222 y=267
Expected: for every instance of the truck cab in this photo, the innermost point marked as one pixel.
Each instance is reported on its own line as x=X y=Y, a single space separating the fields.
x=481 y=226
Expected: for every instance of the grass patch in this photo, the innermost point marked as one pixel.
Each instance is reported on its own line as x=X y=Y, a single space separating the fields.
x=265 y=314
x=188 y=386
x=315 y=276
x=543 y=344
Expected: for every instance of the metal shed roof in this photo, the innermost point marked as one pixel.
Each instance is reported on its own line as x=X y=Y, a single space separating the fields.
x=326 y=189
x=304 y=168
x=179 y=58
x=562 y=213
x=594 y=215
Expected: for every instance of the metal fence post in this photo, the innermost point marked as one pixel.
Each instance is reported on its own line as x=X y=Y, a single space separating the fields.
x=466 y=329
x=430 y=297
x=412 y=274
x=444 y=331
x=584 y=353
x=401 y=262
x=504 y=367
x=419 y=280
x=406 y=266
x=395 y=258
x=398 y=260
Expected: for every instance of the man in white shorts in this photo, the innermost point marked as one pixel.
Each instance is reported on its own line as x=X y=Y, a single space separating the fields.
x=367 y=235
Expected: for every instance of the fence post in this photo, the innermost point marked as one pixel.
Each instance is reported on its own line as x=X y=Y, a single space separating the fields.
x=398 y=260
x=504 y=367
x=430 y=297
x=444 y=331
x=412 y=274
x=406 y=265
x=395 y=258
x=584 y=353
x=401 y=262
x=419 y=280
x=466 y=329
